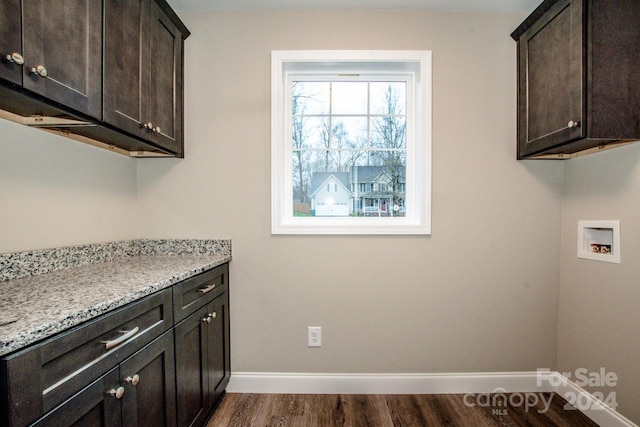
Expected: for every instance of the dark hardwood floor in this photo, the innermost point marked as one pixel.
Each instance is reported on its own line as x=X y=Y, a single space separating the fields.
x=328 y=410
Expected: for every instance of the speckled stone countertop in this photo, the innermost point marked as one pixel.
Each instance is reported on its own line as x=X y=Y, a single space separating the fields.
x=38 y=306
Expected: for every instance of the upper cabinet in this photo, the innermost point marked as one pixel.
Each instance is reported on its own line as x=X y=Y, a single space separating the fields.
x=109 y=73
x=143 y=72
x=62 y=50
x=11 y=58
x=577 y=88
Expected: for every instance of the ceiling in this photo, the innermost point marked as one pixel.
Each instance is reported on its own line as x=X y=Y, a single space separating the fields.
x=506 y=6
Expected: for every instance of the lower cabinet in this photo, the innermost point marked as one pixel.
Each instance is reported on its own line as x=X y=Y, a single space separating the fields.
x=138 y=392
x=93 y=406
x=202 y=361
x=134 y=366
x=148 y=379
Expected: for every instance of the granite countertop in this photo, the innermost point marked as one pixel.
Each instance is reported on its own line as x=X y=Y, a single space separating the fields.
x=36 y=307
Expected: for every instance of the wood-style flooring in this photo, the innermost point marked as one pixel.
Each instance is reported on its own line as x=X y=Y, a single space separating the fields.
x=329 y=410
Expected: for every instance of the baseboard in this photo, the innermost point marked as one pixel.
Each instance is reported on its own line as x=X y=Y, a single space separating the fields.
x=601 y=414
x=278 y=382
x=447 y=383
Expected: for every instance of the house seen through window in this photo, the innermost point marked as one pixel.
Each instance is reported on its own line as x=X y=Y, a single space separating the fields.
x=351 y=142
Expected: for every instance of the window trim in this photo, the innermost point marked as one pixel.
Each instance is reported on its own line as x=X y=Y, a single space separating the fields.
x=418 y=176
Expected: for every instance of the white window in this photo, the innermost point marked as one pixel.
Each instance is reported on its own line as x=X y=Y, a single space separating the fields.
x=357 y=116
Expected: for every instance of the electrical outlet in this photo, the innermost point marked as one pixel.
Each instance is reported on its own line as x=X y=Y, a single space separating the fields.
x=314 y=336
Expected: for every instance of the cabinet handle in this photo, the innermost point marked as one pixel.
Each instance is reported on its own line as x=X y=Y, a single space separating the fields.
x=133 y=380
x=16 y=58
x=207 y=289
x=573 y=124
x=127 y=334
x=40 y=70
x=206 y=319
x=118 y=393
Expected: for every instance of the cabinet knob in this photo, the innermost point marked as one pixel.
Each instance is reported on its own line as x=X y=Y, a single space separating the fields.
x=148 y=126
x=157 y=129
x=213 y=315
x=133 y=380
x=206 y=319
x=573 y=124
x=40 y=70
x=16 y=58
x=117 y=392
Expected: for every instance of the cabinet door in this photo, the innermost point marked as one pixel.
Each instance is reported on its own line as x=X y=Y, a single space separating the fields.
x=191 y=366
x=165 y=96
x=94 y=406
x=149 y=381
x=143 y=72
x=64 y=45
x=10 y=40
x=126 y=65
x=551 y=79
x=218 y=369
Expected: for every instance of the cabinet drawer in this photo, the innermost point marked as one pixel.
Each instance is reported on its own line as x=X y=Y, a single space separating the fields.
x=42 y=376
x=193 y=293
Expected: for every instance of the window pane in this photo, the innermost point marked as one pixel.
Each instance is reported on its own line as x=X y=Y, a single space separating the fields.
x=388 y=98
x=309 y=133
x=349 y=132
x=310 y=97
x=389 y=132
x=349 y=157
x=349 y=97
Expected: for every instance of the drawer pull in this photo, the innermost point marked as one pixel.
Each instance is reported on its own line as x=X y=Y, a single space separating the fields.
x=133 y=380
x=118 y=393
x=207 y=289
x=127 y=334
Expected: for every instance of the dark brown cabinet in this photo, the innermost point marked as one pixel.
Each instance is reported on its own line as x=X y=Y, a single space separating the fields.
x=49 y=373
x=218 y=367
x=57 y=368
x=203 y=356
x=142 y=386
x=136 y=365
x=577 y=88
x=143 y=72
x=95 y=406
x=108 y=73
x=148 y=378
x=54 y=53
x=62 y=49
x=11 y=58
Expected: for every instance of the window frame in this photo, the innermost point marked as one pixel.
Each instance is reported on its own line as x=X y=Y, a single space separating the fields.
x=415 y=64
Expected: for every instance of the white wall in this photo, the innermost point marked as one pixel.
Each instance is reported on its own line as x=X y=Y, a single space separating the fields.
x=480 y=294
x=58 y=192
x=599 y=302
